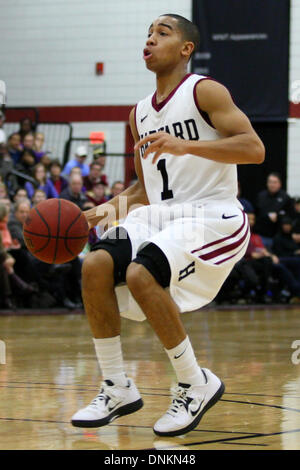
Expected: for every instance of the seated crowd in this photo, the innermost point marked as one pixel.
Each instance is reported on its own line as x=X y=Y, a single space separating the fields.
x=26 y=282
x=268 y=273
x=270 y=269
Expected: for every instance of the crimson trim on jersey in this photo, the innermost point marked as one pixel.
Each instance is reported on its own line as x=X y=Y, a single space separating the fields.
x=221 y=240
x=224 y=249
x=159 y=106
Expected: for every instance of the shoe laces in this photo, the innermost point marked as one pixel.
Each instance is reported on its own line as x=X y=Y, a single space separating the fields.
x=180 y=400
x=104 y=396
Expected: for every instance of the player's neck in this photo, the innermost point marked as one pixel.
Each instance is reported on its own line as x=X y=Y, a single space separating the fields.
x=165 y=83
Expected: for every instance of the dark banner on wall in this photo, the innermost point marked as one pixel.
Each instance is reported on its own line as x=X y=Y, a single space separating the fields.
x=245 y=46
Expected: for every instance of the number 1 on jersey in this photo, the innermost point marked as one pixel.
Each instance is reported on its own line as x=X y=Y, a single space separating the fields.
x=166 y=193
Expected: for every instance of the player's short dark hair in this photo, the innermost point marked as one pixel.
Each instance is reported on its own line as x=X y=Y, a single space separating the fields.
x=189 y=30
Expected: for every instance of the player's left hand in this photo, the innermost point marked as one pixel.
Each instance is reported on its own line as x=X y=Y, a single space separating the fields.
x=162 y=142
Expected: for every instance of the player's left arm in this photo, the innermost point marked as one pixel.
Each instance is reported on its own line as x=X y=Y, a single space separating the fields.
x=238 y=141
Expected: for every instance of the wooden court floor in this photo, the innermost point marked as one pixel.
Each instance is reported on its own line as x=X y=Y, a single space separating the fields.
x=51 y=371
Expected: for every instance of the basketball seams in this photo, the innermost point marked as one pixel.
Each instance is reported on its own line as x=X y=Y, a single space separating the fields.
x=49 y=232
x=61 y=237
x=68 y=229
x=57 y=232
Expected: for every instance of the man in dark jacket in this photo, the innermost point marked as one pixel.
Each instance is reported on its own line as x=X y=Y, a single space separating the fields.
x=272 y=204
x=286 y=248
x=74 y=192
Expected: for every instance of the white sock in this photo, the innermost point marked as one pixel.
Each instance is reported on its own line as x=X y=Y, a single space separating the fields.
x=110 y=359
x=185 y=364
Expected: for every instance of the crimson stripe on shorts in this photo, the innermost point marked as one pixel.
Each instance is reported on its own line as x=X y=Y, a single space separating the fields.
x=224 y=249
x=229 y=257
x=220 y=240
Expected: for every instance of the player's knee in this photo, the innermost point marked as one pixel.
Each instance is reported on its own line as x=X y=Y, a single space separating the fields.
x=97 y=268
x=138 y=279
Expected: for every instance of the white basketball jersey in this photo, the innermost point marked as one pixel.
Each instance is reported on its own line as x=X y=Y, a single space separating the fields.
x=178 y=179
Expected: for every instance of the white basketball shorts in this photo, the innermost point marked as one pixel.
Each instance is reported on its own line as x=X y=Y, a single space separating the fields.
x=202 y=243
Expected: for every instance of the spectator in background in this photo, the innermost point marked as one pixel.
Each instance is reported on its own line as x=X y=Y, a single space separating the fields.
x=3 y=190
x=272 y=204
x=6 y=167
x=264 y=263
x=79 y=161
x=2 y=133
x=21 y=193
x=296 y=218
x=6 y=263
x=94 y=176
x=24 y=266
x=73 y=192
x=28 y=142
x=26 y=164
x=41 y=155
x=14 y=147
x=38 y=196
x=97 y=194
x=117 y=188
x=286 y=247
x=26 y=125
x=15 y=226
x=10 y=245
x=5 y=201
x=58 y=181
x=283 y=242
x=42 y=182
x=99 y=158
x=38 y=144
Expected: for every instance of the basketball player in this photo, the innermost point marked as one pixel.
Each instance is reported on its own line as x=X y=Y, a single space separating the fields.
x=189 y=137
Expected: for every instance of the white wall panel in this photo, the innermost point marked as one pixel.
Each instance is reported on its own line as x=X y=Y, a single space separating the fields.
x=49 y=49
x=293 y=169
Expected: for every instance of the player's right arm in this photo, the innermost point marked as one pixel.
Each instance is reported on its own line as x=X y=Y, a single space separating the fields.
x=135 y=194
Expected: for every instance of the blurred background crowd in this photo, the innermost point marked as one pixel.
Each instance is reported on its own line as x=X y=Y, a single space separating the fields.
x=29 y=175
x=268 y=273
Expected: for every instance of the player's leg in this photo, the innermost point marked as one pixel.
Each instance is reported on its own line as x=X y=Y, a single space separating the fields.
x=198 y=389
x=102 y=269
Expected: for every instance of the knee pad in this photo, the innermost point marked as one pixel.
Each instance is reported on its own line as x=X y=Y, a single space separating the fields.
x=120 y=250
x=153 y=259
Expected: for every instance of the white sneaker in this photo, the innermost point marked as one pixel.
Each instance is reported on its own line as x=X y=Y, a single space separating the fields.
x=111 y=402
x=189 y=403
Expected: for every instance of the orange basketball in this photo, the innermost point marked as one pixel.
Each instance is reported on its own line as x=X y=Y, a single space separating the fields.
x=55 y=231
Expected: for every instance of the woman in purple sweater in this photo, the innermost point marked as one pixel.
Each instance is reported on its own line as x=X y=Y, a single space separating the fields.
x=44 y=183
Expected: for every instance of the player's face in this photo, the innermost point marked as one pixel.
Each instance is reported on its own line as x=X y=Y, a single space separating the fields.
x=164 y=45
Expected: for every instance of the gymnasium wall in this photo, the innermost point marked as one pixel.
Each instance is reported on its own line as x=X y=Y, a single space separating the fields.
x=49 y=49
x=293 y=167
